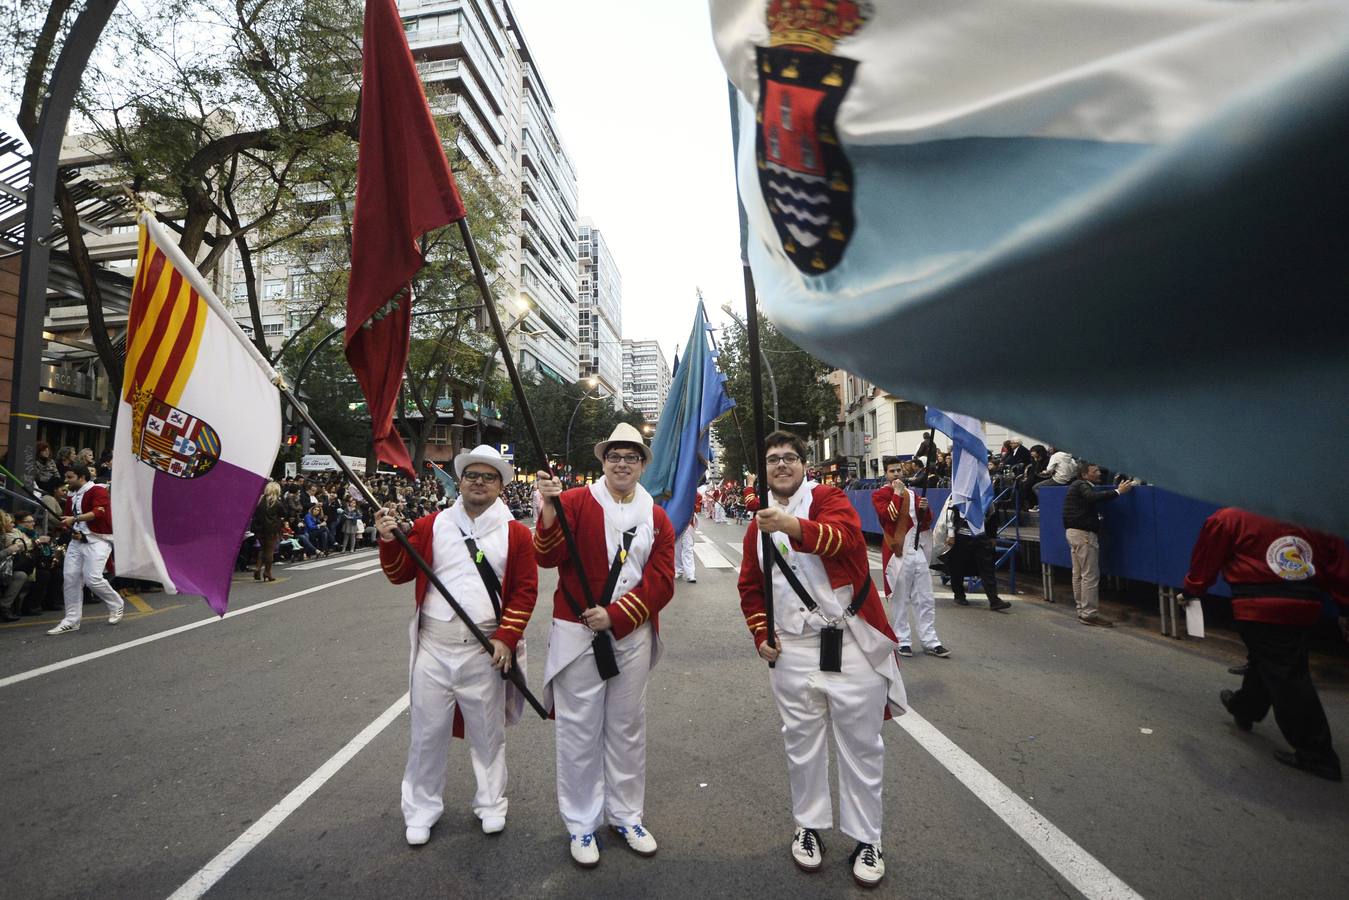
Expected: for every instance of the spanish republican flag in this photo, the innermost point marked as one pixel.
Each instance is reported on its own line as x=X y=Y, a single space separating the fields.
x=403 y=190
x=198 y=429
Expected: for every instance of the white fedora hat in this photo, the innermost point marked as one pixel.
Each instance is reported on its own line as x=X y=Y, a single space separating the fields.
x=486 y=454
x=624 y=434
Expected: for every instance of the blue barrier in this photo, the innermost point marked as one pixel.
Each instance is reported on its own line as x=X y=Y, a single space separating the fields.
x=861 y=501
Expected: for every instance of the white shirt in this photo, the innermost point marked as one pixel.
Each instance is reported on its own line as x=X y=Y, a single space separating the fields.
x=455 y=567
x=1062 y=467
x=77 y=509
x=790 y=615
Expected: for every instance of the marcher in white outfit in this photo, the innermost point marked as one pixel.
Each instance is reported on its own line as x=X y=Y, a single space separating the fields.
x=455 y=685
x=684 y=557
x=626 y=547
x=825 y=599
x=90 y=522
x=908 y=579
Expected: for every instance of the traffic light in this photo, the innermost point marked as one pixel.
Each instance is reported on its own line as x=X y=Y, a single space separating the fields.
x=309 y=442
x=292 y=440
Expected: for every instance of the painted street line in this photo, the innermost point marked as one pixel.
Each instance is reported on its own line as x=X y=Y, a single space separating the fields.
x=357 y=566
x=228 y=858
x=330 y=561
x=709 y=557
x=150 y=638
x=1078 y=867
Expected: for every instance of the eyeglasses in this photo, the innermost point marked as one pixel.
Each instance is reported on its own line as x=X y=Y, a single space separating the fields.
x=486 y=477
x=630 y=458
x=789 y=459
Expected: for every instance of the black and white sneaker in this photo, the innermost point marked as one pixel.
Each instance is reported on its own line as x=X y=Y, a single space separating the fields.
x=938 y=650
x=868 y=864
x=807 y=850
x=905 y=650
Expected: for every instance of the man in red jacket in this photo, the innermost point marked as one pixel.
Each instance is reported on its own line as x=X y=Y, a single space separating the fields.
x=89 y=518
x=1279 y=574
x=626 y=545
x=833 y=652
x=486 y=560
x=904 y=563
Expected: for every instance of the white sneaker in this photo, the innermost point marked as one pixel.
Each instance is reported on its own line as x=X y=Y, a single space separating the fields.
x=114 y=618
x=807 y=850
x=493 y=824
x=585 y=850
x=638 y=838
x=64 y=628
x=417 y=836
x=868 y=865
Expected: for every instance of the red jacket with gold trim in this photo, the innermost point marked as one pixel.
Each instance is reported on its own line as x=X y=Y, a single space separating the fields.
x=646 y=599
x=833 y=532
x=97 y=501
x=896 y=520
x=519 y=584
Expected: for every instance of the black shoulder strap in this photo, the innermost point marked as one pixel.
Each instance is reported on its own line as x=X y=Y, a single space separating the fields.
x=859 y=595
x=485 y=570
x=617 y=566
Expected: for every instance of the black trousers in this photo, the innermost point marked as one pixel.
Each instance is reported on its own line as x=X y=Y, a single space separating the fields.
x=972 y=556
x=1280 y=677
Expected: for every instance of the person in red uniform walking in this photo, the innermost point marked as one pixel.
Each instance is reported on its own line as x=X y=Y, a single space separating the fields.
x=904 y=563
x=1279 y=575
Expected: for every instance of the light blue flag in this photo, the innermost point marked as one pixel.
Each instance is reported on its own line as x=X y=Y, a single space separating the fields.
x=683 y=444
x=451 y=489
x=1130 y=216
x=971 y=486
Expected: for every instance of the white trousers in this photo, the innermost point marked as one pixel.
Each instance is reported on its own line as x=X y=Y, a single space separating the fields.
x=85 y=562
x=718 y=514
x=452 y=667
x=684 y=554
x=853 y=702
x=911 y=589
x=601 y=737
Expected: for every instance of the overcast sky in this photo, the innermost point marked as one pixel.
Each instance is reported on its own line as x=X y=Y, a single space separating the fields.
x=641 y=104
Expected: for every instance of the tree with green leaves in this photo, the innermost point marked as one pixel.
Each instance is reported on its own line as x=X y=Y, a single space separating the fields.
x=803 y=395
x=563 y=411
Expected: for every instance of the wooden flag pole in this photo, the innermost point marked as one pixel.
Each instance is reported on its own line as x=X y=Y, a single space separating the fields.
x=603 y=645
x=515 y=676
x=760 y=465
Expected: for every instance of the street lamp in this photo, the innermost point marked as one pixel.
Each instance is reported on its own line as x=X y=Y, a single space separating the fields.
x=592 y=385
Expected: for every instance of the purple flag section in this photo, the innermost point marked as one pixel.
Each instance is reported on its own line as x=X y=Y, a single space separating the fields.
x=202 y=556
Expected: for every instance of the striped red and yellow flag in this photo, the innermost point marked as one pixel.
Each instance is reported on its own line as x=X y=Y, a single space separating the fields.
x=164 y=327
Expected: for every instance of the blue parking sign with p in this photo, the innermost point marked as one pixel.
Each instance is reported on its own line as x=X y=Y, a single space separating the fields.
x=507 y=451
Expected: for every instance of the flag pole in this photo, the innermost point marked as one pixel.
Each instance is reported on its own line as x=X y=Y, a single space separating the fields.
x=760 y=466
x=603 y=644
x=931 y=446
x=514 y=674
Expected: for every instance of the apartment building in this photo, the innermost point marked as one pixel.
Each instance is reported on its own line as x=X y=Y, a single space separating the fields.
x=646 y=377
x=601 y=313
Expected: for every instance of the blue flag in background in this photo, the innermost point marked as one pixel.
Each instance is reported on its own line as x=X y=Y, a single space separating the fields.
x=1135 y=216
x=683 y=444
x=451 y=489
x=971 y=486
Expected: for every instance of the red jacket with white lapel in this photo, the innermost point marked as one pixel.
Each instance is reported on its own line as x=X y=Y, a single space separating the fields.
x=586 y=517
x=96 y=500
x=519 y=584
x=833 y=532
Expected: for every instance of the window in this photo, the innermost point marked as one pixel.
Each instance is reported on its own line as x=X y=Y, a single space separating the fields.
x=240 y=290
x=273 y=289
x=273 y=327
x=909 y=416
x=440 y=434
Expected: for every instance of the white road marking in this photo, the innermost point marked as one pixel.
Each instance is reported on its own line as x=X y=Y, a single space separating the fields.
x=150 y=638
x=228 y=858
x=735 y=548
x=709 y=557
x=1078 y=867
x=357 y=566
x=330 y=561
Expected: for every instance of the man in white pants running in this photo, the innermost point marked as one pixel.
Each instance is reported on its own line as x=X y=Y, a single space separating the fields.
x=89 y=518
x=908 y=580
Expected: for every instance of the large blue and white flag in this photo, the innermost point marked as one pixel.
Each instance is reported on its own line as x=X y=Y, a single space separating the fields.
x=971 y=486
x=1136 y=210
x=683 y=444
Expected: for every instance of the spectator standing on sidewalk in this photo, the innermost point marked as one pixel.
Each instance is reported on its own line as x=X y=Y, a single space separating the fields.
x=1082 y=526
x=1280 y=575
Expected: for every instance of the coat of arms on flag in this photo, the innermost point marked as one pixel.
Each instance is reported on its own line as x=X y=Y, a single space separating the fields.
x=170 y=439
x=806 y=179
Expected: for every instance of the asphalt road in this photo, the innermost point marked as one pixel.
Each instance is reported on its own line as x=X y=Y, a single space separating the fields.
x=1094 y=762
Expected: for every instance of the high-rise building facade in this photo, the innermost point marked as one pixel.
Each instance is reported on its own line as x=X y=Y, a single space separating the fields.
x=601 y=313
x=646 y=377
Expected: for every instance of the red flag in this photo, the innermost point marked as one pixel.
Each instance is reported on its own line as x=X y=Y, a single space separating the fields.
x=403 y=190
